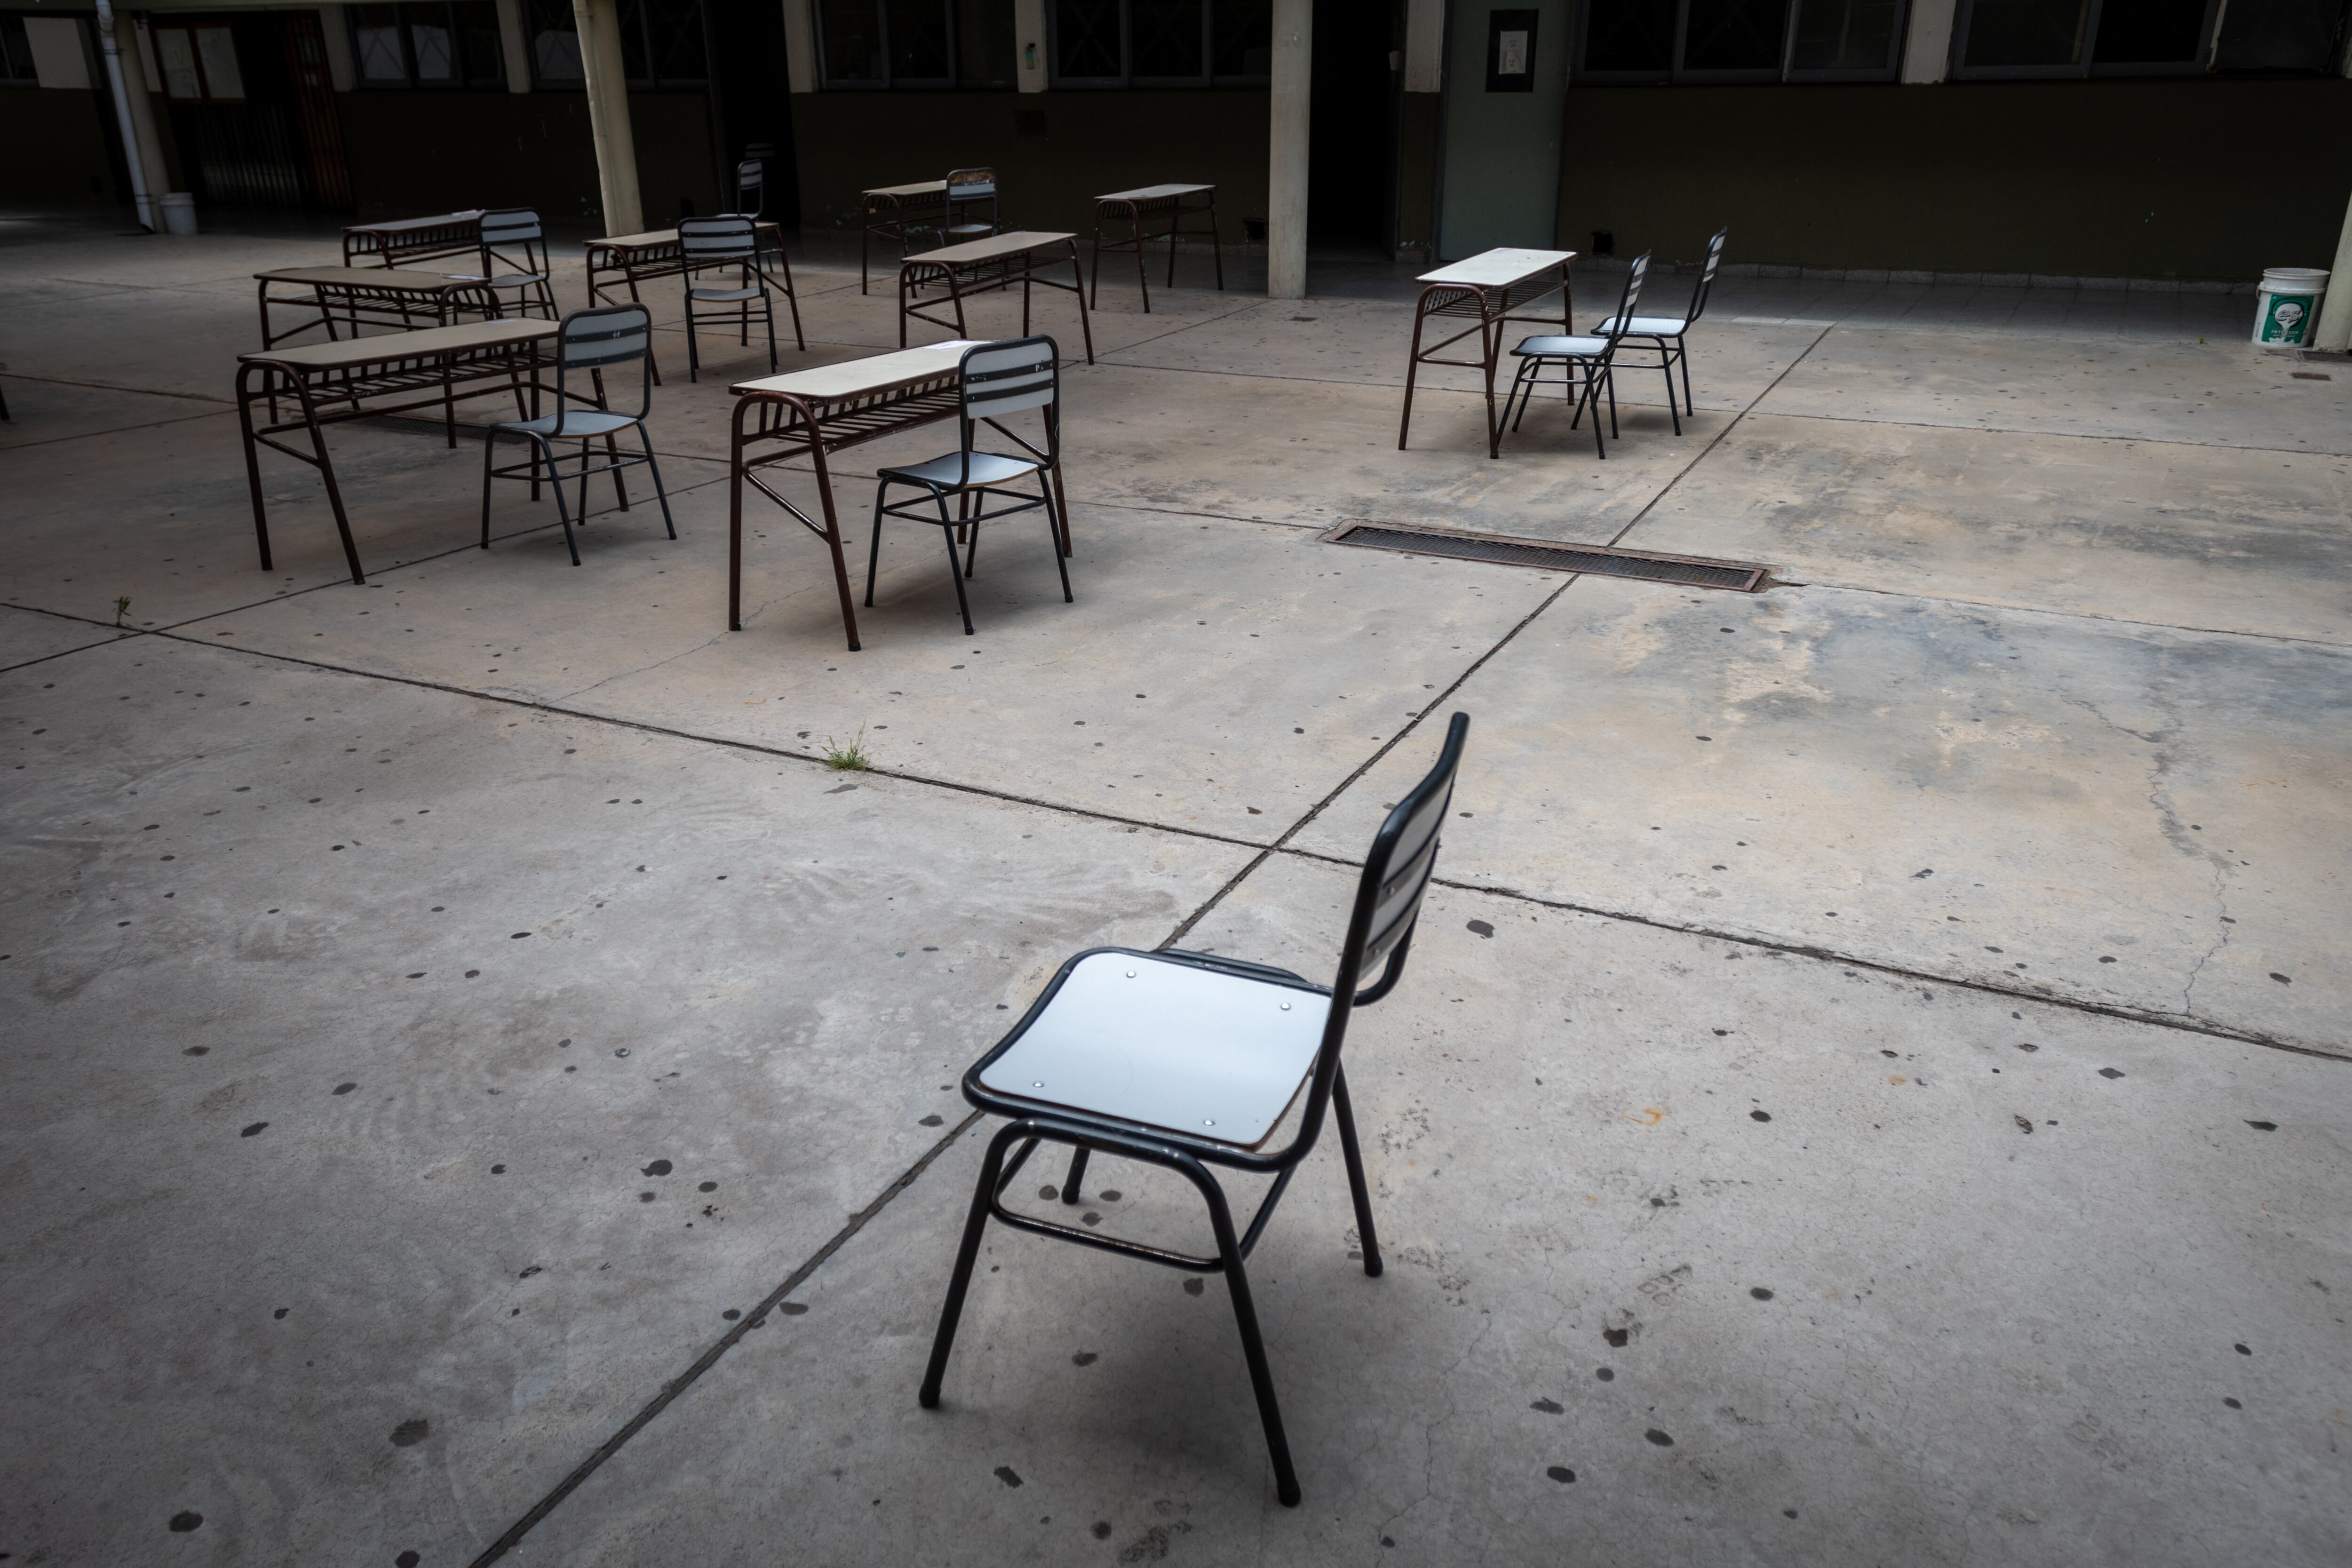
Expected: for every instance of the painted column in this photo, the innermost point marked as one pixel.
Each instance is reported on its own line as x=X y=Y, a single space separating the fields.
x=1285 y=196
x=109 y=33
x=608 y=113
x=1928 y=48
x=801 y=74
x=514 y=45
x=1029 y=44
x=136 y=98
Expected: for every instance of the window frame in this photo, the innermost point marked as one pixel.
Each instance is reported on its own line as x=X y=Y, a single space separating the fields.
x=466 y=80
x=890 y=81
x=32 y=76
x=541 y=82
x=2204 y=64
x=1128 y=80
x=189 y=30
x=1675 y=74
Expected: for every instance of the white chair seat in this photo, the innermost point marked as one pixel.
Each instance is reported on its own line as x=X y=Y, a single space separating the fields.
x=577 y=423
x=1217 y=1055
x=1649 y=326
x=1557 y=347
x=724 y=294
x=987 y=468
x=516 y=280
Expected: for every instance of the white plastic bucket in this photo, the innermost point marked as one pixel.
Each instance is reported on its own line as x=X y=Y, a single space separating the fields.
x=2288 y=304
x=180 y=214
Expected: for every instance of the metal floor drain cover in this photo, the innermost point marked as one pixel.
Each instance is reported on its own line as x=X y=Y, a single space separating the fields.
x=1598 y=560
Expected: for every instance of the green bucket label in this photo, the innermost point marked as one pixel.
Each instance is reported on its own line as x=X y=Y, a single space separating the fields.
x=2286 y=317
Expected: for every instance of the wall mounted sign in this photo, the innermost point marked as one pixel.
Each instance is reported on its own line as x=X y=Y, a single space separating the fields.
x=1510 y=51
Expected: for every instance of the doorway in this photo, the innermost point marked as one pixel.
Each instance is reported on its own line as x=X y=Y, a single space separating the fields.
x=253 y=108
x=1505 y=95
x=1352 y=132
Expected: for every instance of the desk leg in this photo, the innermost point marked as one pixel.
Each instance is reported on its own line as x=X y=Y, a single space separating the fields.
x=735 y=522
x=334 y=492
x=902 y=307
x=833 y=539
x=864 y=244
x=1086 y=329
x=1216 y=246
x=1412 y=368
x=252 y=454
x=1097 y=284
x=1490 y=341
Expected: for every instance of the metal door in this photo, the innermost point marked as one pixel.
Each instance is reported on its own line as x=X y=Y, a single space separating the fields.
x=1505 y=97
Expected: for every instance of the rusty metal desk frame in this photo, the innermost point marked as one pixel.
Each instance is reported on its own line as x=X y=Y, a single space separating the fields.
x=360 y=296
x=985 y=265
x=626 y=260
x=1490 y=289
x=891 y=211
x=1144 y=207
x=363 y=377
x=415 y=239
x=810 y=412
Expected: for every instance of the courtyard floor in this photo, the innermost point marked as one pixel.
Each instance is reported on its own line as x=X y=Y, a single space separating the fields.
x=1870 y=1087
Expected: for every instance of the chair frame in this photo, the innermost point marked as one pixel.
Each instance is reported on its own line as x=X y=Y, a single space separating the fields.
x=1599 y=369
x=750 y=175
x=747 y=260
x=1048 y=458
x=537 y=291
x=1669 y=346
x=959 y=208
x=1190 y=1156
x=543 y=444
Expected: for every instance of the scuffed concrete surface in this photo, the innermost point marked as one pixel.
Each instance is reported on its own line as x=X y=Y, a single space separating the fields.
x=2052 y=666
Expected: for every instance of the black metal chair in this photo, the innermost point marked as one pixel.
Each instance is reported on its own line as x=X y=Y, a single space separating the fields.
x=967 y=188
x=1664 y=334
x=727 y=240
x=593 y=341
x=751 y=187
x=1590 y=357
x=1186 y=1060
x=998 y=380
x=512 y=239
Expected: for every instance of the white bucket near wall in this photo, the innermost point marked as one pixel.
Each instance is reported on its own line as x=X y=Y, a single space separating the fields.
x=180 y=213
x=2288 y=304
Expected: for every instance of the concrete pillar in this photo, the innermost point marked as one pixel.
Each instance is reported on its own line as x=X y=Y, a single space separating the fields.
x=1286 y=195
x=135 y=93
x=1927 y=46
x=801 y=73
x=342 y=69
x=514 y=45
x=608 y=113
x=2335 y=328
x=1029 y=44
x=1424 y=45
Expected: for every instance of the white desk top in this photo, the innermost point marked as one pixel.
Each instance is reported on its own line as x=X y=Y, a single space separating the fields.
x=394 y=278
x=655 y=238
x=919 y=188
x=353 y=353
x=996 y=247
x=407 y=225
x=1497 y=269
x=1154 y=192
x=859 y=377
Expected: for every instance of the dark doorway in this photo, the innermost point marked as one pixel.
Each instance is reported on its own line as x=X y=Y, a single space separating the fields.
x=751 y=102
x=252 y=110
x=1351 y=153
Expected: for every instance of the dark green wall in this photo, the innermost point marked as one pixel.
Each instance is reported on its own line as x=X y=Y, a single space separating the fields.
x=52 y=144
x=1094 y=142
x=2192 y=178
x=438 y=152
x=1420 y=116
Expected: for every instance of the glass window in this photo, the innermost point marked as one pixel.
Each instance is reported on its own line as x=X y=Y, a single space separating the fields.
x=2150 y=32
x=985 y=51
x=1846 y=35
x=1168 y=38
x=916 y=43
x=1743 y=36
x=15 y=51
x=436 y=47
x=919 y=49
x=1630 y=35
x=555 y=44
x=375 y=40
x=852 y=42
x=1086 y=40
x=2010 y=34
x=676 y=42
x=485 y=45
x=1162 y=43
x=177 y=53
x=2278 y=35
x=1244 y=36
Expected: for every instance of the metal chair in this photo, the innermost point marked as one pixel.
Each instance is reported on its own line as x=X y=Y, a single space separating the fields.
x=1664 y=334
x=593 y=341
x=1186 y=1060
x=997 y=380
x=967 y=188
x=751 y=187
x=727 y=240
x=511 y=238
x=1593 y=356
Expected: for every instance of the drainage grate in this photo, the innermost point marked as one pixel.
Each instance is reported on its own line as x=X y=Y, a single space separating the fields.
x=1600 y=561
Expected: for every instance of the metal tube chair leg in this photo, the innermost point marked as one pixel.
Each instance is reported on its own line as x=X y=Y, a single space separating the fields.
x=556 y=484
x=1077 y=1173
x=1682 y=353
x=489 y=446
x=1356 y=1189
x=645 y=436
x=947 y=531
x=983 y=1194
x=612 y=450
x=1060 y=536
x=1229 y=1255
x=874 y=548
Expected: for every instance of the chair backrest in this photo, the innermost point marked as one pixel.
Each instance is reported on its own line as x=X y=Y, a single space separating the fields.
x=1707 y=275
x=601 y=339
x=971 y=184
x=1007 y=378
x=509 y=226
x=728 y=237
x=1619 y=324
x=1388 y=902
x=751 y=186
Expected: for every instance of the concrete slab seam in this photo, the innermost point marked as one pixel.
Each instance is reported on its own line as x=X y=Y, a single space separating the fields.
x=2009 y=607
x=1728 y=427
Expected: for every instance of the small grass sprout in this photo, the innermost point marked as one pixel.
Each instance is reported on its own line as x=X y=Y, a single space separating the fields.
x=851 y=758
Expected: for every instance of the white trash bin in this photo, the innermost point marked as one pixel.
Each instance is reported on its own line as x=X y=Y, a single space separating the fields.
x=180 y=214
x=2288 y=304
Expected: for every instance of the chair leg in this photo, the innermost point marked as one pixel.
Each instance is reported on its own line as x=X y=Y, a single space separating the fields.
x=1609 y=380
x=1077 y=1173
x=874 y=547
x=1061 y=534
x=955 y=569
x=653 y=469
x=1229 y=1255
x=1667 y=363
x=585 y=449
x=489 y=444
x=562 y=511
x=693 y=353
x=1682 y=353
x=982 y=1195
x=612 y=450
x=1355 y=1159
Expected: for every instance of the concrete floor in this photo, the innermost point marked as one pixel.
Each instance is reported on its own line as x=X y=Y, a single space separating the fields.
x=544 y=1147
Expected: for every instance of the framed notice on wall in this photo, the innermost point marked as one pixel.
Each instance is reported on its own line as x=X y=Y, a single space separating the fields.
x=1510 y=51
